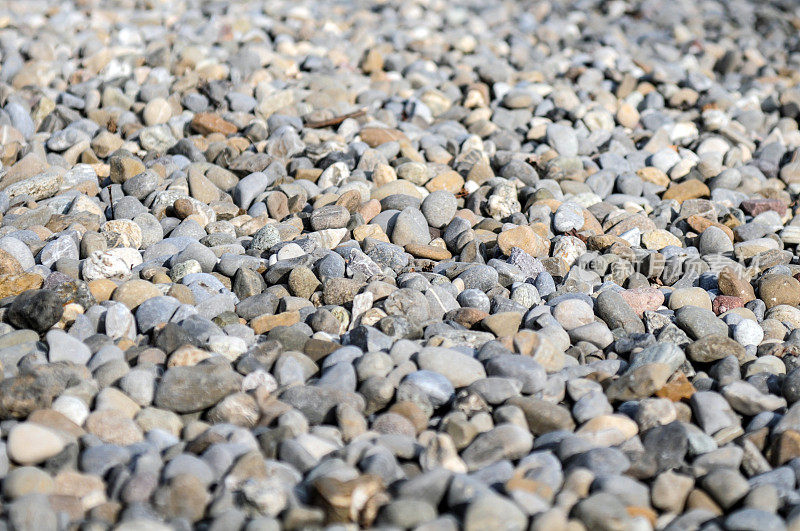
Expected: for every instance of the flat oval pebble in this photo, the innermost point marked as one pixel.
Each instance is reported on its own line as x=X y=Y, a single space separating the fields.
x=30 y=444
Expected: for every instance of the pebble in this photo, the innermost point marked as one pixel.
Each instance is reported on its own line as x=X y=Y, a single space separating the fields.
x=63 y=347
x=573 y=313
x=568 y=216
x=439 y=208
x=617 y=313
x=699 y=322
x=30 y=444
x=186 y=389
x=36 y=309
x=525 y=239
x=459 y=369
x=775 y=290
x=410 y=227
x=689 y=297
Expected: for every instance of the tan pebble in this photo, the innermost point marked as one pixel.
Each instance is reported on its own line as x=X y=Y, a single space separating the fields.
x=8 y=264
x=16 y=284
x=369 y=209
x=369 y=231
x=88 y=488
x=653 y=175
x=309 y=174
x=609 y=430
x=503 y=324
x=157 y=111
x=105 y=143
x=350 y=200
x=134 y=292
x=658 y=239
x=124 y=168
x=375 y=136
x=102 y=289
x=150 y=418
x=30 y=443
x=265 y=323
x=689 y=189
x=430 y=252
x=526 y=239
x=699 y=224
x=396 y=187
x=187 y=355
x=124 y=343
x=383 y=174
x=627 y=115
x=113 y=427
x=161 y=278
x=689 y=297
x=448 y=180
x=776 y=289
x=207 y=123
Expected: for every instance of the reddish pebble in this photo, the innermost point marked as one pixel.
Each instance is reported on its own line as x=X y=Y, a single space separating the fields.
x=723 y=303
x=755 y=207
x=369 y=209
x=643 y=299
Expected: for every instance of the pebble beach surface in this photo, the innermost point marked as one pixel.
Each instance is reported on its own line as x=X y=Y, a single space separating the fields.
x=481 y=265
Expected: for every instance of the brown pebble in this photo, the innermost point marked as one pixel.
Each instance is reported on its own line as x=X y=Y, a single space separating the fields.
x=16 y=284
x=466 y=317
x=350 y=200
x=730 y=283
x=430 y=252
x=690 y=189
x=207 y=123
x=699 y=224
x=183 y=208
x=412 y=412
x=375 y=136
x=102 y=288
x=679 y=388
x=309 y=174
x=8 y=264
x=277 y=205
x=265 y=323
x=369 y=209
x=182 y=293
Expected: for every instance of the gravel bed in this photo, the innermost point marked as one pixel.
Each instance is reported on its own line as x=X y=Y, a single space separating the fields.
x=431 y=265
